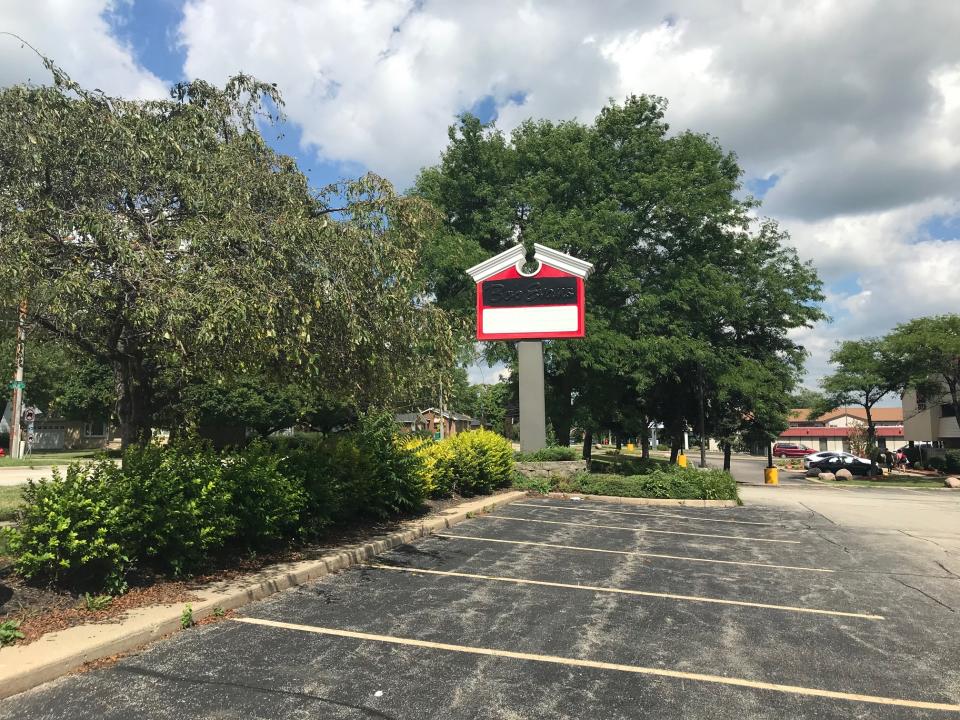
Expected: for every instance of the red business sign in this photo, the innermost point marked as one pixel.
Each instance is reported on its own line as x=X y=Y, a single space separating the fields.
x=547 y=303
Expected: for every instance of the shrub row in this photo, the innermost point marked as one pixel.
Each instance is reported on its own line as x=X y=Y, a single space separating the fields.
x=168 y=509
x=668 y=482
x=950 y=462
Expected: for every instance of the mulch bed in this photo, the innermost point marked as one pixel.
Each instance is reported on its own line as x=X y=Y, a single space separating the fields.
x=41 y=610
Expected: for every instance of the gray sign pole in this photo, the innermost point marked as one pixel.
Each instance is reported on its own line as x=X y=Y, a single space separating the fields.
x=533 y=423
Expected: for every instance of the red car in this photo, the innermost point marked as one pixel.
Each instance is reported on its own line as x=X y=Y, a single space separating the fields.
x=783 y=450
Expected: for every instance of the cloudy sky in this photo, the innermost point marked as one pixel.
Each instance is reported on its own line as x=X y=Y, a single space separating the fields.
x=845 y=115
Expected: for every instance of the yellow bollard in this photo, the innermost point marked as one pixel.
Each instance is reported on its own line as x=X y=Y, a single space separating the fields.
x=770 y=476
x=682 y=460
x=630 y=447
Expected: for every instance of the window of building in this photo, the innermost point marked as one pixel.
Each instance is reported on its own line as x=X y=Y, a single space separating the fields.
x=97 y=428
x=823 y=444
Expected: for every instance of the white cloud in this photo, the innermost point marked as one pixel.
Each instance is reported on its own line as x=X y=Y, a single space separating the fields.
x=76 y=36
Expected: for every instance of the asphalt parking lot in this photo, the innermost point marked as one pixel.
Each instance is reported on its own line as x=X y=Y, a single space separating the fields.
x=564 y=609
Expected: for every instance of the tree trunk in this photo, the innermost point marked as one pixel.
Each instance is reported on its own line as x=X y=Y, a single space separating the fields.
x=645 y=440
x=726 y=456
x=619 y=442
x=676 y=444
x=134 y=401
x=587 y=446
x=871 y=430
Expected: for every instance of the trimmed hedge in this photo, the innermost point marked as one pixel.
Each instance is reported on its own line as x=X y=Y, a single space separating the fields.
x=169 y=509
x=671 y=482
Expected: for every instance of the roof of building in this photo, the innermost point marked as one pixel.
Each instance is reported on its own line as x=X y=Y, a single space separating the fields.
x=879 y=414
x=413 y=417
x=883 y=431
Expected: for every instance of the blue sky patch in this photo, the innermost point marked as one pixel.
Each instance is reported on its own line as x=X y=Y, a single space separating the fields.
x=150 y=30
x=940 y=227
x=759 y=187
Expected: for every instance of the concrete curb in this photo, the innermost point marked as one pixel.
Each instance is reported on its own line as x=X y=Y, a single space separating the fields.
x=62 y=652
x=646 y=501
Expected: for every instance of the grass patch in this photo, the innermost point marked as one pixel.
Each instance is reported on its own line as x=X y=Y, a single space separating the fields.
x=671 y=482
x=49 y=458
x=11 y=497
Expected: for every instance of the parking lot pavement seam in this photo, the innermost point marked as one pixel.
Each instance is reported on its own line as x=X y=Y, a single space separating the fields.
x=631 y=552
x=600 y=665
x=626 y=591
x=643 y=529
x=643 y=514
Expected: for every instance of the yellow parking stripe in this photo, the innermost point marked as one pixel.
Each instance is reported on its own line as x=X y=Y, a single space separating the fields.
x=630 y=552
x=595 y=664
x=643 y=514
x=641 y=529
x=620 y=591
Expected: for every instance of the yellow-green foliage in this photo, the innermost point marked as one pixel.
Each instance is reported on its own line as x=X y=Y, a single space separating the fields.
x=467 y=463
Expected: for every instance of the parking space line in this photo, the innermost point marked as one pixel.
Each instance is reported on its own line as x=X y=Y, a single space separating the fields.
x=631 y=552
x=598 y=665
x=497 y=516
x=643 y=514
x=622 y=591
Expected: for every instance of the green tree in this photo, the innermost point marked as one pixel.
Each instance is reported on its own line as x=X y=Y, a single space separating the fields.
x=866 y=373
x=167 y=240
x=61 y=381
x=927 y=350
x=684 y=275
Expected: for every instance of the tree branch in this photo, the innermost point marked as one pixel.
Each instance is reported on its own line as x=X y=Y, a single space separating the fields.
x=76 y=338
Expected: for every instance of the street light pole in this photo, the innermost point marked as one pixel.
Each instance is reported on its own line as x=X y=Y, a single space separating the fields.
x=17 y=384
x=703 y=447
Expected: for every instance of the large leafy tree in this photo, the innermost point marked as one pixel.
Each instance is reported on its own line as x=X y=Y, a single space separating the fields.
x=927 y=350
x=169 y=241
x=867 y=371
x=687 y=283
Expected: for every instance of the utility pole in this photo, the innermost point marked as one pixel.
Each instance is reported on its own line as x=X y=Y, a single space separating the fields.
x=17 y=384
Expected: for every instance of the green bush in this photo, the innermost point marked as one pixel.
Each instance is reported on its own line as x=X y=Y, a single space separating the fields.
x=541 y=485
x=626 y=465
x=266 y=503
x=369 y=472
x=952 y=461
x=935 y=462
x=171 y=508
x=669 y=482
x=482 y=461
x=177 y=505
x=72 y=529
x=553 y=453
x=395 y=482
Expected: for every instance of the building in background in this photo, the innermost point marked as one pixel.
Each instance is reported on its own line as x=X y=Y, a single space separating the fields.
x=429 y=421
x=929 y=419
x=831 y=431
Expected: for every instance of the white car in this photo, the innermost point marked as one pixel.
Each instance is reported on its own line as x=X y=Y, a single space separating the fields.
x=816 y=457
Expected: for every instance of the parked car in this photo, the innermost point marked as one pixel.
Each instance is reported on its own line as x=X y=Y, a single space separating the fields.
x=824 y=454
x=782 y=450
x=856 y=465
